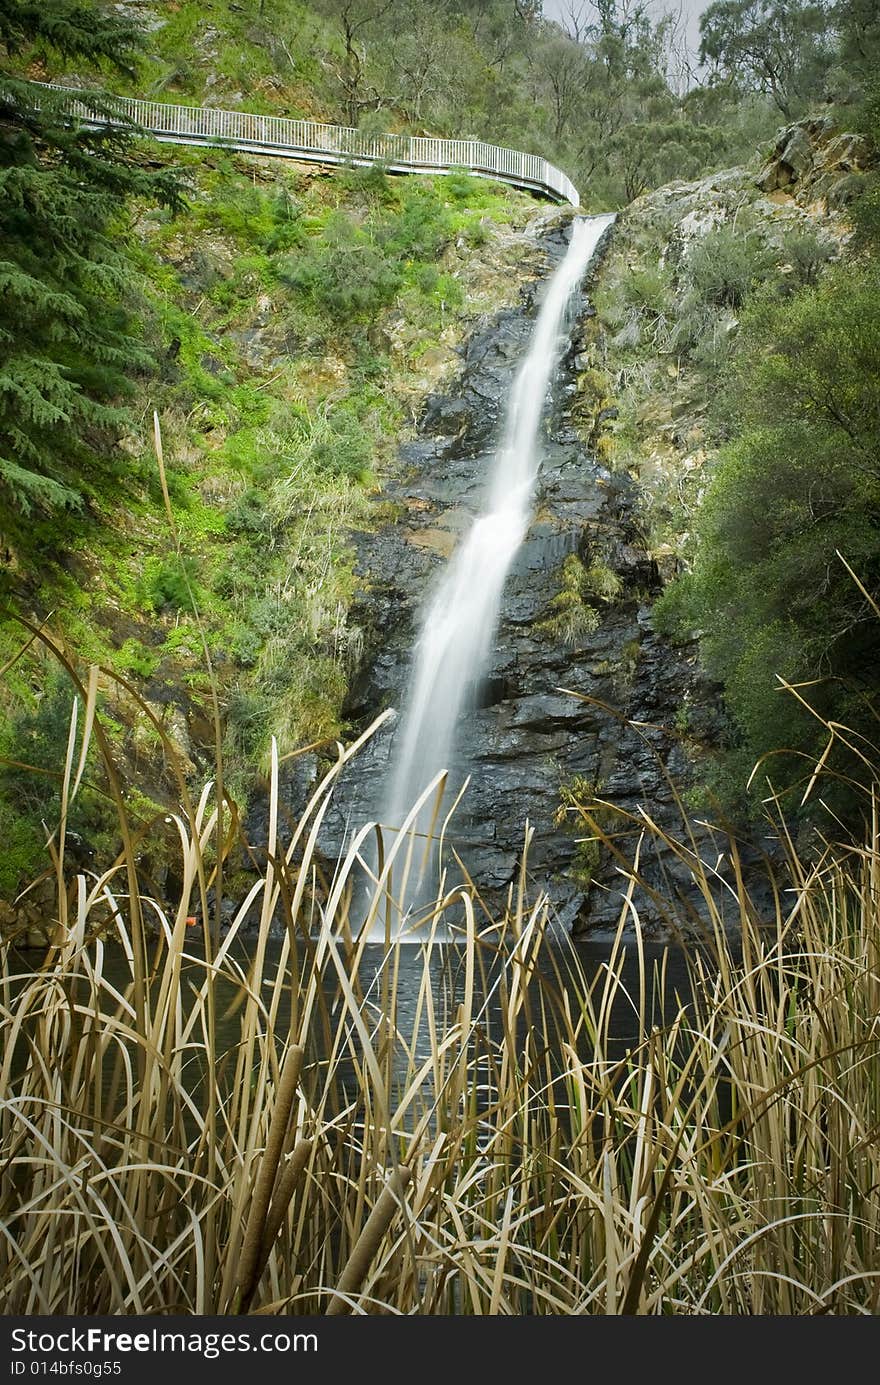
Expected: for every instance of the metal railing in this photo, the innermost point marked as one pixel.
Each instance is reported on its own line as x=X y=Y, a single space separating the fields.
x=310 y=142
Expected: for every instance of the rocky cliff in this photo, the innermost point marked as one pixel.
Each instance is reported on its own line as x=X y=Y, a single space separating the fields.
x=575 y=658
x=585 y=703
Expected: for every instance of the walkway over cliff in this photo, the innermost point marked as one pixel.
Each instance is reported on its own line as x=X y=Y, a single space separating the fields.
x=310 y=142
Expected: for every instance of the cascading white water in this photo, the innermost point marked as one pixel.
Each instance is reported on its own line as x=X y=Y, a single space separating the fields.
x=459 y=623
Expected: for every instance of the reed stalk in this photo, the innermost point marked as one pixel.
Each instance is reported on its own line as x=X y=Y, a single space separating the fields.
x=483 y=1121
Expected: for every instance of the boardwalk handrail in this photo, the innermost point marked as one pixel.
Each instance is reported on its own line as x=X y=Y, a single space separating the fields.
x=311 y=142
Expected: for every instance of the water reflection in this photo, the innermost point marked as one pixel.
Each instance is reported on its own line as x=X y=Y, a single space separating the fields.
x=412 y=996
x=560 y=966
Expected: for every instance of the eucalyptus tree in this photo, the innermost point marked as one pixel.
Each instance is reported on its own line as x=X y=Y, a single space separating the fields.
x=354 y=63
x=782 y=48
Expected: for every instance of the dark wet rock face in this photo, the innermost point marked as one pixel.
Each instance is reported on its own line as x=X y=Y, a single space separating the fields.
x=542 y=717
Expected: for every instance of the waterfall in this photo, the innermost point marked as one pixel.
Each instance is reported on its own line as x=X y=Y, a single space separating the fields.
x=459 y=622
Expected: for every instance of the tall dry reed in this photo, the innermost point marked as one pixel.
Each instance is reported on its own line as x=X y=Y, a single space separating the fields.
x=191 y=1124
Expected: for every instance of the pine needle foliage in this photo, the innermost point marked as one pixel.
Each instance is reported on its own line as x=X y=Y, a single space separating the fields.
x=69 y=337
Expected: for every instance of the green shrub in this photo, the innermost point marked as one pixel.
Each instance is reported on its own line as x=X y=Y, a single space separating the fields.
x=426 y=277
x=476 y=233
x=249 y=515
x=286 y=230
x=169 y=583
x=807 y=254
x=344 y=274
x=34 y=738
x=419 y=229
x=796 y=489
x=135 y=657
x=719 y=274
x=370 y=185
x=344 y=448
x=571 y=616
x=648 y=289
x=602 y=582
x=244 y=450
x=461 y=186
x=450 y=292
x=578 y=812
x=724 y=266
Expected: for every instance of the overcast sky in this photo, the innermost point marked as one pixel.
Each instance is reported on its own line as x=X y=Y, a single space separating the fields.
x=690 y=11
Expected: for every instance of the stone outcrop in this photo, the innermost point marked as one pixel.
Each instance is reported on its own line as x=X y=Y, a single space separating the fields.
x=31 y=921
x=814 y=159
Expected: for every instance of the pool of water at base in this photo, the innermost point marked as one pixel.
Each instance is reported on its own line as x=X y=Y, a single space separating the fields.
x=408 y=999
x=416 y=993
